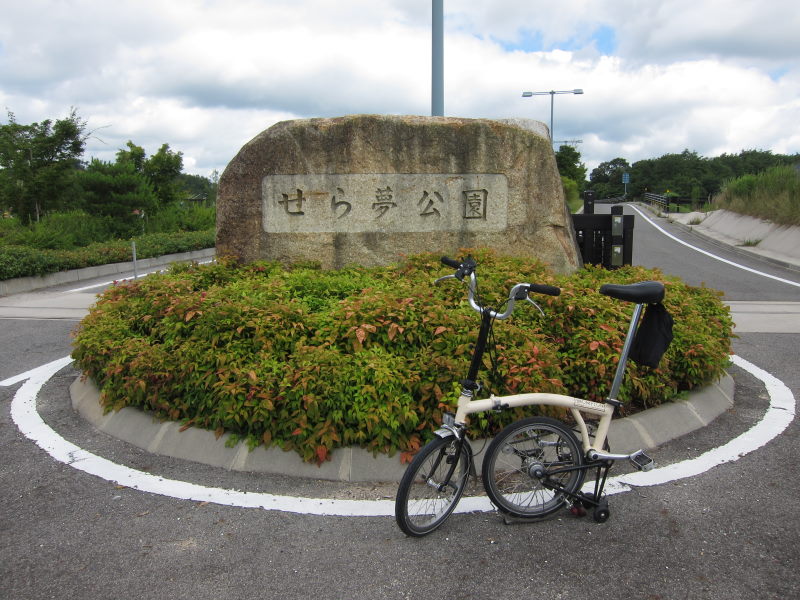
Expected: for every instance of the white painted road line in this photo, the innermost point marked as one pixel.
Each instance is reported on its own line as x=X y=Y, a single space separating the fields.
x=778 y=416
x=714 y=256
x=124 y=279
x=105 y=283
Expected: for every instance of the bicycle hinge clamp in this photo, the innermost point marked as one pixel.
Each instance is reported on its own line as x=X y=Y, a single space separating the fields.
x=498 y=406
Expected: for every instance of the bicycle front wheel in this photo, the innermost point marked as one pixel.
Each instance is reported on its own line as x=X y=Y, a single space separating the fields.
x=531 y=466
x=432 y=485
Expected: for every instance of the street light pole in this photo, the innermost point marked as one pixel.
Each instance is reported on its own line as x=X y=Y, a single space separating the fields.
x=437 y=58
x=552 y=97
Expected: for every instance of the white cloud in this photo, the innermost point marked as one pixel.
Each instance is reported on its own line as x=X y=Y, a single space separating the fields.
x=750 y=31
x=205 y=76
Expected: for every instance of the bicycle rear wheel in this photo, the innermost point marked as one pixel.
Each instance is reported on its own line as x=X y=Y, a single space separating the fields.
x=425 y=499
x=522 y=457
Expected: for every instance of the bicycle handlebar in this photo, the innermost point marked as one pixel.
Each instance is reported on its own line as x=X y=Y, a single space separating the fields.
x=463 y=268
x=520 y=291
x=542 y=288
x=451 y=262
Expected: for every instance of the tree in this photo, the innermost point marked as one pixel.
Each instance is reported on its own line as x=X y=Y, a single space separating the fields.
x=197 y=187
x=118 y=191
x=37 y=163
x=606 y=178
x=163 y=169
x=134 y=155
x=568 y=160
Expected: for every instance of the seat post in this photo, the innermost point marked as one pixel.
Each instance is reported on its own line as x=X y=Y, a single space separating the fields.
x=623 y=357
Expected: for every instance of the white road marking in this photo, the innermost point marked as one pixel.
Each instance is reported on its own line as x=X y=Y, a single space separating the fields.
x=714 y=256
x=105 y=283
x=41 y=319
x=778 y=416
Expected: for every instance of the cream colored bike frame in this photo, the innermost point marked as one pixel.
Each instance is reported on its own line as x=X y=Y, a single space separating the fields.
x=468 y=406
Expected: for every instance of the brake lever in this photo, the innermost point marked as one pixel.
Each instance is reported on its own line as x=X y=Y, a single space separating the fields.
x=539 y=308
x=451 y=276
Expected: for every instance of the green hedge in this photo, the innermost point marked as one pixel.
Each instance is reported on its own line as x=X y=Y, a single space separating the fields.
x=312 y=360
x=24 y=261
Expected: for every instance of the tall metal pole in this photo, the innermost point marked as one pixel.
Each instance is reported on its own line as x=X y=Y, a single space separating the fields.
x=437 y=58
x=552 y=97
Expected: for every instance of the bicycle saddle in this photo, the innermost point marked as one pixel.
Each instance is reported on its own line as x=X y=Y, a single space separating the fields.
x=641 y=292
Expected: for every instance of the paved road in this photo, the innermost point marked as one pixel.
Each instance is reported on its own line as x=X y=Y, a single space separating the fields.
x=726 y=534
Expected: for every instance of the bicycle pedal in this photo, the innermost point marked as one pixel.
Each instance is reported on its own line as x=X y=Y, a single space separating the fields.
x=641 y=461
x=577 y=510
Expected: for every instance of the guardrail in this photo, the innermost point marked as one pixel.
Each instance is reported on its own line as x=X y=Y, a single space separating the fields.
x=667 y=204
x=657 y=201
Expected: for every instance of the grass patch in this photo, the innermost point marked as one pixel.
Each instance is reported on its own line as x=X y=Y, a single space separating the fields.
x=773 y=195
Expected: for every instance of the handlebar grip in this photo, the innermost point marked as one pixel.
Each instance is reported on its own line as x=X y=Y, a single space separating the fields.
x=451 y=262
x=541 y=288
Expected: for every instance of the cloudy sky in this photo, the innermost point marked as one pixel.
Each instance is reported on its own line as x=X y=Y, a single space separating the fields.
x=206 y=76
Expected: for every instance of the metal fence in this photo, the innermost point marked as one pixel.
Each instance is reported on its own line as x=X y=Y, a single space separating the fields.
x=666 y=204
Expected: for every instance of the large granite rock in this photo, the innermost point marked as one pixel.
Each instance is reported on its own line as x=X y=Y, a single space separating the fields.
x=369 y=189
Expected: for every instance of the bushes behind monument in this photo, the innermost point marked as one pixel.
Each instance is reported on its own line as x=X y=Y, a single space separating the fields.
x=24 y=261
x=311 y=360
x=76 y=239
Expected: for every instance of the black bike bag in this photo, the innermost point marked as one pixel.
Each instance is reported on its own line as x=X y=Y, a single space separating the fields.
x=653 y=336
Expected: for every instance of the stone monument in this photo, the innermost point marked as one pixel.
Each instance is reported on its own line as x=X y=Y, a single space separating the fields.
x=369 y=189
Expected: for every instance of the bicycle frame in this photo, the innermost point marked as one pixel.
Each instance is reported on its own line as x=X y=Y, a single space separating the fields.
x=468 y=406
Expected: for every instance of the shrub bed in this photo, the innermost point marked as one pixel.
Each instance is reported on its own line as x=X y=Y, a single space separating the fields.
x=311 y=360
x=24 y=261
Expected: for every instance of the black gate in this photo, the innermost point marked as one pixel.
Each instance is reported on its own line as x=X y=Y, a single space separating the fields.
x=605 y=240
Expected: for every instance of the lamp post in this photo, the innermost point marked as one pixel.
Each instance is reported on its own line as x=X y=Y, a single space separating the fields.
x=552 y=96
x=437 y=58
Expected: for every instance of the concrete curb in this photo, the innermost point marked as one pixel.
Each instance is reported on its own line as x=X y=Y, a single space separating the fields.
x=27 y=284
x=647 y=429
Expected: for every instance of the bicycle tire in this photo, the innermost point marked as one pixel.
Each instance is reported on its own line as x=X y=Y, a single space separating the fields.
x=517 y=453
x=420 y=507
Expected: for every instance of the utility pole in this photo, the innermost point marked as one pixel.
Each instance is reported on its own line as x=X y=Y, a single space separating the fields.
x=437 y=58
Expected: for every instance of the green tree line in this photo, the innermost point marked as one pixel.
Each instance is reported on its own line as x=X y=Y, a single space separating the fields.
x=684 y=175
x=42 y=172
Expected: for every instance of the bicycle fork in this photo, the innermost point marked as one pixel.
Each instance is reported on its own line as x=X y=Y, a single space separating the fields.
x=450 y=454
